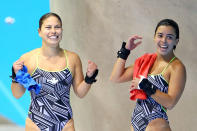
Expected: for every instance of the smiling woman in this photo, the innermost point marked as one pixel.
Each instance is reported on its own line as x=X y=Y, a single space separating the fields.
x=55 y=69
x=158 y=79
x=51 y=30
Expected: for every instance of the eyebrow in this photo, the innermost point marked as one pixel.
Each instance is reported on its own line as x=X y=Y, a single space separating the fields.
x=167 y=34
x=47 y=25
x=51 y=25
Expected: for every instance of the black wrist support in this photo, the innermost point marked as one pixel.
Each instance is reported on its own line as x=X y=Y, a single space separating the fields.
x=90 y=80
x=123 y=52
x=13 y=75
x=147 y=87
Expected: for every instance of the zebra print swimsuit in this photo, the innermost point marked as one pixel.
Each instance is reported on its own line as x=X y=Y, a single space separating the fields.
x=147 y=110
x=50 y=110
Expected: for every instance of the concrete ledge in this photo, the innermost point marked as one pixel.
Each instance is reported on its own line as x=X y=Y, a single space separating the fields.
x=10 y=127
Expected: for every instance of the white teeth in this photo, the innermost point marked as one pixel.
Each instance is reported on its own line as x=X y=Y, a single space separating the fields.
x=163 y=46
x=53 y=37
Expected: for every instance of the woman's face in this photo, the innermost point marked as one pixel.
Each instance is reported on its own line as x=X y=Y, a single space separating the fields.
x=51 y=31
x=165 y=39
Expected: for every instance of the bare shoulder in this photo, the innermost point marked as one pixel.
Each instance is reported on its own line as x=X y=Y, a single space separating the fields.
x=72 y=55
x=178 y=66
x=29 y=55
x=74 y=62
x=178 y=71
x=29 y=59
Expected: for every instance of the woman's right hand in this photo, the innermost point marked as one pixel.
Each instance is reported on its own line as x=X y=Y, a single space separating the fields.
x=132 y=44
x=17 y=65
x=134 y=84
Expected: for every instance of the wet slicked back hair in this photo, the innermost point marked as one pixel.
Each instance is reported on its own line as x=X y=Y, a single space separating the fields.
x=47 y=15
x=169 y=22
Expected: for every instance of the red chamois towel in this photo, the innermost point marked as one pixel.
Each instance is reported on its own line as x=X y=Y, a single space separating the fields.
x=140 y=70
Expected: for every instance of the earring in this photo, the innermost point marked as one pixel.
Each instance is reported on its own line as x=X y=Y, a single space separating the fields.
x=174 y=47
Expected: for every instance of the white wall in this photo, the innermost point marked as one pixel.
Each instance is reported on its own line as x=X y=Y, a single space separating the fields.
x=94 y=29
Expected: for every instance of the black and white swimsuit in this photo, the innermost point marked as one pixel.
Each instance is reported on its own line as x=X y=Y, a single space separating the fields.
x=50 y=110
x=147 y=110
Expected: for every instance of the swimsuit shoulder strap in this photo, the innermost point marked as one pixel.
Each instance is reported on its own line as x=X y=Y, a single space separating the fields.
x=168 y=65
x=66 y=58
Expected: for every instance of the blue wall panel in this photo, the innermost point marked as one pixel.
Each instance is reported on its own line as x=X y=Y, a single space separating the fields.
x=17 y=39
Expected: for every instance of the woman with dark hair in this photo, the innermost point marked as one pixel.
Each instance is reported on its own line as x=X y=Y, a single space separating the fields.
x=157 y=80
x=53 y=70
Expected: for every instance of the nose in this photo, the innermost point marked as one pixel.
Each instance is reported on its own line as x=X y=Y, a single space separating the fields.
x=53 y=30
x=164 y=39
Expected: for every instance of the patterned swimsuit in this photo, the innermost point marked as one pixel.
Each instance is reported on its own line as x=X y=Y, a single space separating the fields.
x=50 y=110
x=147 y=110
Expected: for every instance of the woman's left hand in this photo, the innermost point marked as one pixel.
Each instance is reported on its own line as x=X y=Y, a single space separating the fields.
x=91 y=68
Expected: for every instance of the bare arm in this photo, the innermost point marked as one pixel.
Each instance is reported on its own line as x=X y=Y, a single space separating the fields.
x=176 y=86
x=120 y=73
x=29 y=61
x=80 y=87
x=17 y=89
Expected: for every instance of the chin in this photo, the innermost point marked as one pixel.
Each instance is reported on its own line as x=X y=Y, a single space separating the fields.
x=163 y=53
x=53 y=44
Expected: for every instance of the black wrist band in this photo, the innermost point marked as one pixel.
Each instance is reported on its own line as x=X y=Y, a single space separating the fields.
x=90 y=80
x=13 y=73
x=147 y=87
x=123 y=52
x=13 y=76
